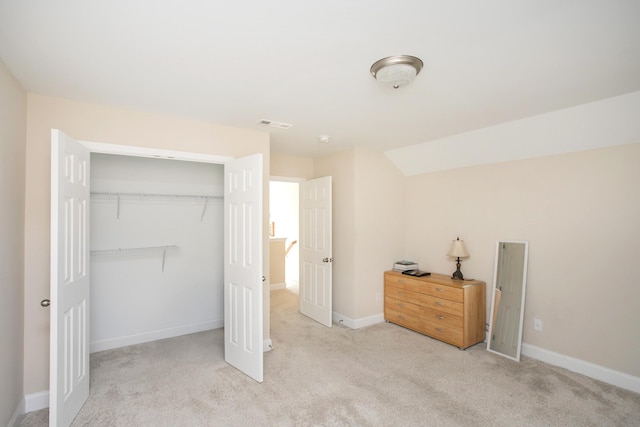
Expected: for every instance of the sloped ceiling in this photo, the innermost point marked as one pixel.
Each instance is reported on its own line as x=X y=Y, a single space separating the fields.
x=307 y=63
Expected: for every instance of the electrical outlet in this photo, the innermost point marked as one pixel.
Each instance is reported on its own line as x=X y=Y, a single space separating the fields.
x=378 y=296
x=537 y=325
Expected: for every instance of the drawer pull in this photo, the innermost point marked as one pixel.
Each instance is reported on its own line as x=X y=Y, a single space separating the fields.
x=440 y=330
x=439 y=290
x=439 y=316
x=440 y=303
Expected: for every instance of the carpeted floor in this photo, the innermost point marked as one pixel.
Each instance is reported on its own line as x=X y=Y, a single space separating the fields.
x=382 y=375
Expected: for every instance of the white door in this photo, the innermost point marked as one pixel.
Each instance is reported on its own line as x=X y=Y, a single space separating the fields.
x=243 y=285
x=69 y=348
x=315 y=250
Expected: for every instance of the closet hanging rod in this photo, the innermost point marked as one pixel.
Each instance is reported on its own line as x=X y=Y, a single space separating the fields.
x=186 y=196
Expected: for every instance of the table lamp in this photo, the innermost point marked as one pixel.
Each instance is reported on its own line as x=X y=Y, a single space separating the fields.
x=458 y=251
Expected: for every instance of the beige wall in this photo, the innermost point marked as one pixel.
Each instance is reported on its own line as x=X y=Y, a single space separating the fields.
x=580 y=213
x=107 y=125
x=341 y=167
x=367 y=230
x=13 y=124
x=291 y=166
x=379 y=208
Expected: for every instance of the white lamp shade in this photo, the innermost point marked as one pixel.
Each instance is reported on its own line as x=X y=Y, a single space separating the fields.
x=458 y=250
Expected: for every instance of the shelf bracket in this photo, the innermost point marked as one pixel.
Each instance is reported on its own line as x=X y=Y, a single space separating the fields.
x=204 y=208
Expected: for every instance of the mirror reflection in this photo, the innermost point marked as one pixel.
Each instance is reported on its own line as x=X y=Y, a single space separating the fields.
x=507 y=307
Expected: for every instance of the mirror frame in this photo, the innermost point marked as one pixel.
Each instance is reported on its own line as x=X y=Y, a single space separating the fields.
x=493 y=298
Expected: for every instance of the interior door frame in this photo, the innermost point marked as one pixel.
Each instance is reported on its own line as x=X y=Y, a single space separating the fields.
x=159 y=153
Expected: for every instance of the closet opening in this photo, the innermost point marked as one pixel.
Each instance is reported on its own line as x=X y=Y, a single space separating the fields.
x=157 y=256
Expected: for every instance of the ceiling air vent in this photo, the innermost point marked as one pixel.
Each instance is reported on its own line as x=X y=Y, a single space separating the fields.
x=275 y=124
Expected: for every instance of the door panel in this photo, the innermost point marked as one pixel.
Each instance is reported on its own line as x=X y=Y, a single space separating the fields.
x=243 y=265
x=315 y=250
x=69 y=348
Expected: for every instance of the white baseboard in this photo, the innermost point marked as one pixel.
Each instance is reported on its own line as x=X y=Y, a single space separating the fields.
x=357 y=323
x=609 y=376
x=36 y=401
x=155 y=335
x=276 y=286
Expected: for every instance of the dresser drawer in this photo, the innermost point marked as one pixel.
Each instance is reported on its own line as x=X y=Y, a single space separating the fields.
x=442 y=332
x=402 y=306
x=424 y=287
x=434 y=303
x=404 y=282
x=441 y=318
x=401 y=293
x=402 y=319
x=446 y=292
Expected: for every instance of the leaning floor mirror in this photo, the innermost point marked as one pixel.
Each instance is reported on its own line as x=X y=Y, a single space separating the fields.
x=507 y=303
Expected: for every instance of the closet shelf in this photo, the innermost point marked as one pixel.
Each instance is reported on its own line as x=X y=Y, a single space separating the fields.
x=154 y=196
x=138 y=250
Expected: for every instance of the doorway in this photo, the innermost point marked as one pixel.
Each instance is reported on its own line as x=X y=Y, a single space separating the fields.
x=304 y=207
x=284 y=223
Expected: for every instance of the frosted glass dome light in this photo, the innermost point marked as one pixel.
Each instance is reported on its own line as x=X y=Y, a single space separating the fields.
x=396 y=71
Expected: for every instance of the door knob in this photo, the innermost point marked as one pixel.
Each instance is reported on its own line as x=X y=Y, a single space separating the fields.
x=45 y=303
x=327 y=259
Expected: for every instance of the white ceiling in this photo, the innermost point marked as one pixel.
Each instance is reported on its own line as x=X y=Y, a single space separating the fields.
x=307 y=63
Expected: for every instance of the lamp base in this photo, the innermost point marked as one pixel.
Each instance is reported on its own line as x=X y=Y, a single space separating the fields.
x=457 y=275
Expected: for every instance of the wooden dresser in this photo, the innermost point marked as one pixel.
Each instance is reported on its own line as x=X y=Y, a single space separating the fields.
x=450 y=310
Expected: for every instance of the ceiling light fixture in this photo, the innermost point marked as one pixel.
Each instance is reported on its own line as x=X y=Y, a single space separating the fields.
x=396 y=71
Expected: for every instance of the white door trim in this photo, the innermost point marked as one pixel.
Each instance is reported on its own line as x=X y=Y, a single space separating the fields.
x=286 y=179
x=132 y=150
